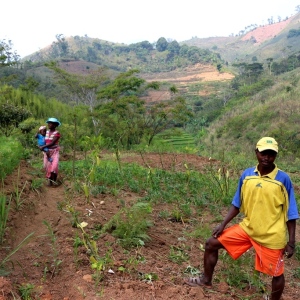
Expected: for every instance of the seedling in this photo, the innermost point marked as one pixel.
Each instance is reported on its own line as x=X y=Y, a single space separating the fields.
x=18 y=192
x=26 y=291
x=56 y=262
x=4 y=211
x=178 y=255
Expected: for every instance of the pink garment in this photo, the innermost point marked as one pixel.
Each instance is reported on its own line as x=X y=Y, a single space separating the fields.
x=51 y=166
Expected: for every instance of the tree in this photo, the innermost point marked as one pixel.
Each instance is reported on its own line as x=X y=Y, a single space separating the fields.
x=30 y=84
x=10 y=117
x=164 y=115
x=174 y=47
x=269 y=62
x=82 y=89
x=161 y=44
x=126 y=119
x=61 y=47
x=7 y=56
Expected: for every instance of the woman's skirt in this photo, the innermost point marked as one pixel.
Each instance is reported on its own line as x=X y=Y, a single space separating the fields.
x=51 y=167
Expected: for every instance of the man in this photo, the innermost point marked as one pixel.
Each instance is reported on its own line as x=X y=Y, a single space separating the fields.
x=265 y=196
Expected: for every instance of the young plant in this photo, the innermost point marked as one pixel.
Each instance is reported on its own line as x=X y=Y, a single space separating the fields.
x=37 y=184
x=56 y=262
x=130 y=225
x=4 y=211
x=149 y=277
x=26 y=291
x=7 y=259
x=219 y=181
x=18 y=192
x=178 y=255
x=90 y=177
x=76 y=244
x=192 y=271
x=98 y=263
x=240 y=277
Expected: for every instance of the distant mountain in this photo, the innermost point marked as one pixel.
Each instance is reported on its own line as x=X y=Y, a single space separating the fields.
x=268 y=41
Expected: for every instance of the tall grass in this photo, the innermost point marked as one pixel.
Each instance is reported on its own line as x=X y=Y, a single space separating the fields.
x=11 y=152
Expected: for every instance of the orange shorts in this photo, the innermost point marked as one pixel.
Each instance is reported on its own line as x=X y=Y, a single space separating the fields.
x=236 y=242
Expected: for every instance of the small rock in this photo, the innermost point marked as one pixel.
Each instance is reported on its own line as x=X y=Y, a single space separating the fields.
x=87 y=278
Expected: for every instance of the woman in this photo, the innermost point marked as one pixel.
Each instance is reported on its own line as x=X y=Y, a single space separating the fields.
x=52 y=138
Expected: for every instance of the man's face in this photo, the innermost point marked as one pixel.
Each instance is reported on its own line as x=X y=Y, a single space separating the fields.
x=266 y=158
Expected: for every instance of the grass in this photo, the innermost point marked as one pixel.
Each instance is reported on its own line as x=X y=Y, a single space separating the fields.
x=11 y=152
x=4 y=270
x=181 y=188
x=4 y=211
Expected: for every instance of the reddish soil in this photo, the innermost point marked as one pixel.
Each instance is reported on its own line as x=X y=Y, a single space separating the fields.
x=267 y=32
x=198 y=73
x=72 y=279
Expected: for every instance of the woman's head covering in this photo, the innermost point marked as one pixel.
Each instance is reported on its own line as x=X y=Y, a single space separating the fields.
x=53 y=120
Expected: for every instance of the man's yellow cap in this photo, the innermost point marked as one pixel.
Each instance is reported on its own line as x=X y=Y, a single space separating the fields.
x=267 y=143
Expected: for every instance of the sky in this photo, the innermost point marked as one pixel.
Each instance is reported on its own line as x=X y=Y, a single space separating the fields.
x=33 y=24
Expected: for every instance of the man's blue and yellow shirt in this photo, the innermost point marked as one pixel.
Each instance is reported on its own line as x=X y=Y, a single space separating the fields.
x=267 y=203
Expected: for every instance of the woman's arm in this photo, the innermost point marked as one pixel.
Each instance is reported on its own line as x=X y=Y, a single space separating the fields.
x=53 y=142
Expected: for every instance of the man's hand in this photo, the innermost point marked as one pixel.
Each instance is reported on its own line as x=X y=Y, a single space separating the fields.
x=289 y=250
x=218 y=230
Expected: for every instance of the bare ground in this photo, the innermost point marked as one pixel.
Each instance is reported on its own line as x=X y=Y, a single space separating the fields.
x=37 y=263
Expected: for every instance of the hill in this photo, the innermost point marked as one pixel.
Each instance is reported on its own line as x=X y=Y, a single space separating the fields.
x=260 y=42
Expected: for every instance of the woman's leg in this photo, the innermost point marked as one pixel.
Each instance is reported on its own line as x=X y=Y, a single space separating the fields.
x=53 y=177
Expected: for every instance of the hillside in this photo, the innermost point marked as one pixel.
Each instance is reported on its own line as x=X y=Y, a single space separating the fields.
x=262 y=42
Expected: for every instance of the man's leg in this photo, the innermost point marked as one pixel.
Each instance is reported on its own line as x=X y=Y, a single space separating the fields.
x=277 y=287
x=211 y=255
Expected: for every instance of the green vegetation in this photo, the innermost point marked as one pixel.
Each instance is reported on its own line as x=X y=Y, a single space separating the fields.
x=10 y=154
x=160 y=57
x=4 y=212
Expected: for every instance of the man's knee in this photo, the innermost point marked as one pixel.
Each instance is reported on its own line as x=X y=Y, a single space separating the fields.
x=212 y=244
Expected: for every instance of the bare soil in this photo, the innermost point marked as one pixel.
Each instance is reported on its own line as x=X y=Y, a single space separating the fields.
x=37 y=262
x=266 y=32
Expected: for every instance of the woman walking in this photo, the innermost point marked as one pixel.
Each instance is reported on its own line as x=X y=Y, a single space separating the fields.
x=52 y=137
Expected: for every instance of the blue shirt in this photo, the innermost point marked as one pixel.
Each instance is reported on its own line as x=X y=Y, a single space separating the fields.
x=41 y=140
